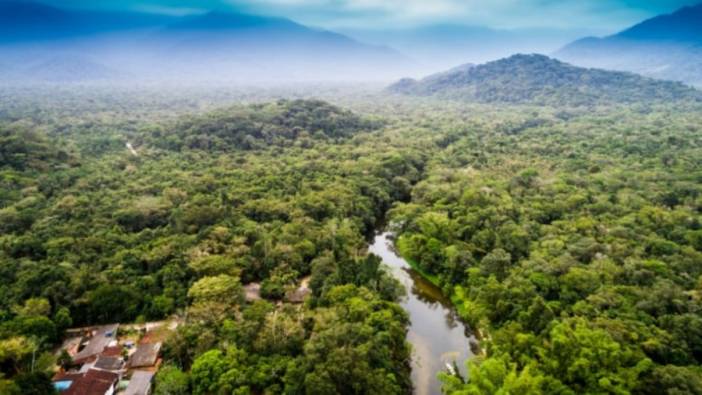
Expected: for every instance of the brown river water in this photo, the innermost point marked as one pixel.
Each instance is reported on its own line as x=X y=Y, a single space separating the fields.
x=437 y=336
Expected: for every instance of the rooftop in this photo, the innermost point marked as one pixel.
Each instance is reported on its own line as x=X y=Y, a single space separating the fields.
x=94 y=382
x=145 y=355
x=252 y=292
x=102 y=338
x=115 y=351
x=140 y=383
x=108 y=363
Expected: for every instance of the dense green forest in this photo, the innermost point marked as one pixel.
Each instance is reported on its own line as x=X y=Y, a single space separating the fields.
x=570 y=237
x=573 y=241
x=270 y=193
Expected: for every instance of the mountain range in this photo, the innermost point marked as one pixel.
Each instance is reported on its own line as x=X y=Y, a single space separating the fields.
x=50 y=44
x=539 y=80
x=441 y=46
x=44 y=43
x=667 y=46
x=23 y=21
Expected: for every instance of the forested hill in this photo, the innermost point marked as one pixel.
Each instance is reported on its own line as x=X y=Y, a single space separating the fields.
x=262 y=125
x=538 y=79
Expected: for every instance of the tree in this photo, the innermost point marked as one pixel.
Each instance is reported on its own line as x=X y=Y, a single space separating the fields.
x=161 y=306
x=34 y=307
x=14 y=352
x=35 y=383
x=281 y=280
x=282 y=333
x=213 y=265
x=171 y=381
x=62 y=319
x=672 y=380
x=351 y=343
x=9 y=387
x=206 y=372
x=40 y=328
x=496 y=376
x=64 y=360
x=112 y=303
x=589 y=360
x=496 y=263
x=215 y=298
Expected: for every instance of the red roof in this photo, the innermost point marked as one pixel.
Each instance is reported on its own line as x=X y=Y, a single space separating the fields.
x=61 y=376
x=115 y=351
x=94 y=382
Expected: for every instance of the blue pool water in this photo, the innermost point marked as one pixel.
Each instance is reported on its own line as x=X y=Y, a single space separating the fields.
x=63 y=385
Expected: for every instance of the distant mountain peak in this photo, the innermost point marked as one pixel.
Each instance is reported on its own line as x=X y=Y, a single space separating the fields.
x=684 y=24
x=18 y=13
x=666 y=46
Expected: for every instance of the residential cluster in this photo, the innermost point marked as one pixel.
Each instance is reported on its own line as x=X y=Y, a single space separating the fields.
x=110 y=360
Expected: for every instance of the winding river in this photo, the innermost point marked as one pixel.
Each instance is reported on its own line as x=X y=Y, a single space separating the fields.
x=437 y=336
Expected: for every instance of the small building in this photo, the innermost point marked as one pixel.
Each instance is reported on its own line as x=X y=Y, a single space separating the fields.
x=94 y=382
x=145 y=355
x=102 y=337
x=298 y=296
x=109 y=363
x=252 y=292
x=139 y=383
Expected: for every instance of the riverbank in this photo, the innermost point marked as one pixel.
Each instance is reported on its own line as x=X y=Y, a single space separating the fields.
x=438 y=336
x=479 y=334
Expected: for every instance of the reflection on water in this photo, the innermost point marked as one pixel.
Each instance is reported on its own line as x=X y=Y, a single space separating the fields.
x=437 y=335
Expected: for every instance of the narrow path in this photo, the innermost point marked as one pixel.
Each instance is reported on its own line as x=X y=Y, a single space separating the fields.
x=131 y=149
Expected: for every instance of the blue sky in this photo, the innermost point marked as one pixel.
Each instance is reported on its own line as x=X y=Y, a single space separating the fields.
x=593 y=15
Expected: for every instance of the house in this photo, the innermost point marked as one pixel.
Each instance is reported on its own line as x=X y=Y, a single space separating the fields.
x=145 y=355
x=102 y=337
x=252 y=292
x=104 y=362
x=139 y=383
x=299 y=294
x=63 y=380
x=94 y=382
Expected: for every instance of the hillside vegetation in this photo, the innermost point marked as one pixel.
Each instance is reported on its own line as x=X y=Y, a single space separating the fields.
x=266 y=193
x=575 y=244
x=261 y=126
x=537 y=79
